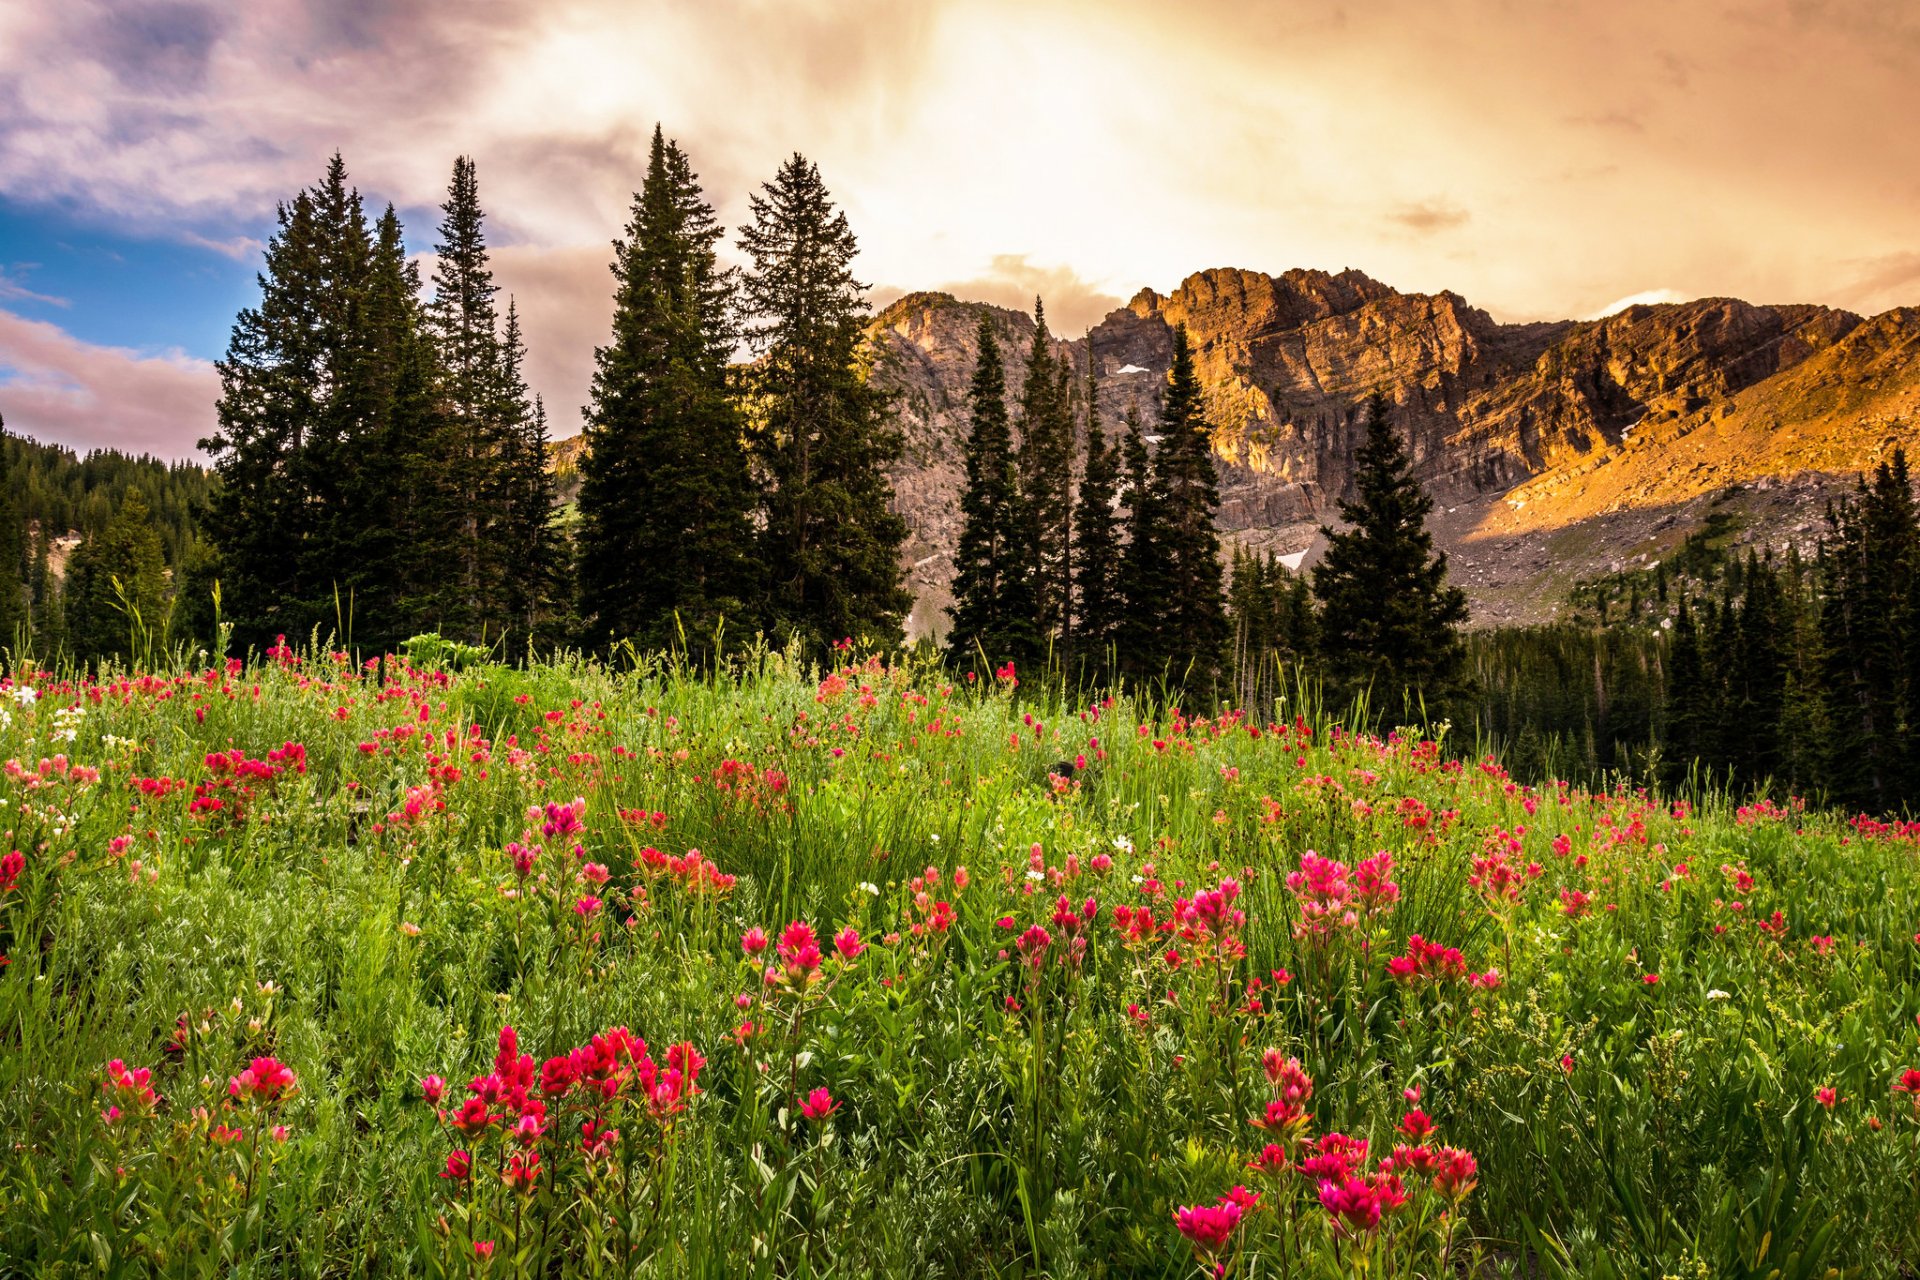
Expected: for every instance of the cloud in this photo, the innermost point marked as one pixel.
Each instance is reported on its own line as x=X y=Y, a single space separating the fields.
x=1072 y=148
x=1429 y=216
x=1645 y=298
x=1879 y=283
x=1013 y=280
x=13 y=290
x=61 y=390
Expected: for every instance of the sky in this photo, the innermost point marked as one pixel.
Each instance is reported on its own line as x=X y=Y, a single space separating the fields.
x=1542 y=160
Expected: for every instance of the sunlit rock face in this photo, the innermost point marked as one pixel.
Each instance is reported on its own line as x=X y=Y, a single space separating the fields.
x=1593 y=408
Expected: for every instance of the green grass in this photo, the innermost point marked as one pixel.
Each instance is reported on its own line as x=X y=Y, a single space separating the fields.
x=993 y=1117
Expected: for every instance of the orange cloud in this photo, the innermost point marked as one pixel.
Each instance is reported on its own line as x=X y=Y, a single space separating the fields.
x=61 y=390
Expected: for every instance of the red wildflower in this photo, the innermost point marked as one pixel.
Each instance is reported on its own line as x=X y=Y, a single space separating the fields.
x=264 y=1080
x=522 y=1173
x=1457 y=1174
x=819 y=1104
x=1209 y=1227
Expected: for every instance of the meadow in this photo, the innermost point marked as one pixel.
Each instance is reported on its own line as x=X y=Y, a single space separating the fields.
x=317 y=967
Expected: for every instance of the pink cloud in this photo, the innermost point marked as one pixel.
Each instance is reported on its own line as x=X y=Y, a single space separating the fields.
x=60 y=390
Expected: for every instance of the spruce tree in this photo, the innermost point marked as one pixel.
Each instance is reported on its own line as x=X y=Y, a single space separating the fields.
x=822 y=435
x=1096 y=543
x=1688 y=703
x=14 y=566
x=1193 y=632
x=531 y=572
x=1389 y=620
x=987 y=595
x=395 y=557
x=332 y=512
x=1142 y=581
x=665 y=545
x=1046 y=477
x=278 y=381
x=466 y=331
x=116 y=588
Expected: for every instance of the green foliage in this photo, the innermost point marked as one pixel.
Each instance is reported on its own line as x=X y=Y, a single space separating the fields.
x=116 y=595
x=1097 y=549
x=376 y=454
x=1389 y=620
x=1041 y=545
x=993 y=617
x=821 y=435
x=666 y=544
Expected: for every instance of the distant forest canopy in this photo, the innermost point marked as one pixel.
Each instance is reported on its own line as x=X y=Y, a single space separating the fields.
x=62 y=491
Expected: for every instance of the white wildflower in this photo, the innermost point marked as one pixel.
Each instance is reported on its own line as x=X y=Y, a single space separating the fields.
x=1718 y=994
x=24 y=696
x=869 y=888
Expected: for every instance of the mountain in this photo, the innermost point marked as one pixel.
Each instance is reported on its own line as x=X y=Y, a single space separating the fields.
x=1555 y=450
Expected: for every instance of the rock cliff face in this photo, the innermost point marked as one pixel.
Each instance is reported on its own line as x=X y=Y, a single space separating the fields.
x=1522 y=432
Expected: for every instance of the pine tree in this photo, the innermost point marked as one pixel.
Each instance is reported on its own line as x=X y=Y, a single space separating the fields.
x=394 y=557
x=987 y=585
x=466 y=331
x=14 y=567
x=116 y=588
x=1096 y=543
x=1388 y=617
x=1688 y=704
x=666 y=552
x=332 y=512
x=531 y=574
x=822 y=434
x=1142 y=583
x=1046 y=476
x=279 y=382
x=1194 y=631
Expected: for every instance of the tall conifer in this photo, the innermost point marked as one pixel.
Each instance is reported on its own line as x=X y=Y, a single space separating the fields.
x=1389 y=618
x=1193 y=632
x=1142 y=579
x=986 y=597
x=466 y=328
x=666 y=549
x=822 y=435
x=1096 y=541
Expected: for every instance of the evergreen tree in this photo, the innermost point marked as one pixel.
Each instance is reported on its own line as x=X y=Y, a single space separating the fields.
x=531 y=573
x=331 y=512
x=394 y=554
x=1688 y=704
x=1046 y=476
x=992 y=609
x=823 y=435
x=116 y=588
x=278 y=383
x=1096 y=542
x=1193 y=632
x=1143 y=583
x=1868 y=566
x=665 y=541
x=1388 y=617
x=480 y=436
x=47 y=613
x=14 y=565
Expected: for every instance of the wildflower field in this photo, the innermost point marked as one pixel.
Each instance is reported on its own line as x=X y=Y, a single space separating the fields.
x=317 y=968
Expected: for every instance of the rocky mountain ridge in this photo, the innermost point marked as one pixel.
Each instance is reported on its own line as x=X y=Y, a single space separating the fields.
x=1554 y=450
